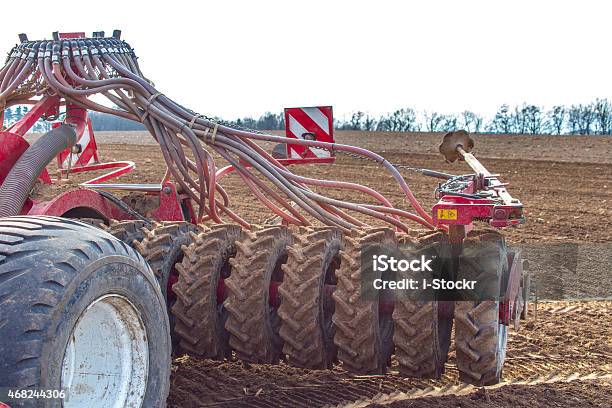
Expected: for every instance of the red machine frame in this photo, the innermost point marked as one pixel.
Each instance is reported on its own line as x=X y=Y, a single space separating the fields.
x=458 y=210
x=84 y=201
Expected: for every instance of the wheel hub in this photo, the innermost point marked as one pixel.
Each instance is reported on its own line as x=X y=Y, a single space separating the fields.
x=106 y=361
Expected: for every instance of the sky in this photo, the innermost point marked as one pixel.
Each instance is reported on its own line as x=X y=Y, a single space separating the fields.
x=242 y=58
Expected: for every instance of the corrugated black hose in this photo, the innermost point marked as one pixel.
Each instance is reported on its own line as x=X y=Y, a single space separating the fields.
x=21 y=178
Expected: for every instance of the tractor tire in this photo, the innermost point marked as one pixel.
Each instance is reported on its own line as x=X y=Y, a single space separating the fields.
x=81 y=311
x=306 y=309
x=363 y=335
x=422 y=323
x=161 y=248
x=253 y=323
x=480 y=338
x=199 y=316
x=128 y=231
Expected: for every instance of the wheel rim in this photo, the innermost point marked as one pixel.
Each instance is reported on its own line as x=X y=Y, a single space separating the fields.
x=106 y=360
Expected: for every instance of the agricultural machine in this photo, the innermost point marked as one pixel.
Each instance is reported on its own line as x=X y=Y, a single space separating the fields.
x=95 y=310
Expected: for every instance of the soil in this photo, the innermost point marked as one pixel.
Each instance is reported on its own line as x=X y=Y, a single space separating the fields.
x=565 y=349
x=564 y=341
x=576 y=394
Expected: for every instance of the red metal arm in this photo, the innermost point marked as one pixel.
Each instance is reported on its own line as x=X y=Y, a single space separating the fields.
x=465 y=206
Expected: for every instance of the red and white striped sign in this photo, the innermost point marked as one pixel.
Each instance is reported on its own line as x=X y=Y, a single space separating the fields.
x=302 y=123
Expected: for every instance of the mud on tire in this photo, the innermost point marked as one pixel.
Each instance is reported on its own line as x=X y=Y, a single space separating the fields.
x=423 y=324
x=51 y=271
x=161 y=248
x=305 y=309
x=364 y=336
x=199 y=317
x=127 y=231
x=480 y=339
x=253 y=323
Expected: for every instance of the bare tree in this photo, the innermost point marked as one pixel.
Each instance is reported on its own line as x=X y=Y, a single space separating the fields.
x=386 y=123
x=369 y=123
x=449 y=123
x=519 y=120
x=502 y=122
x=603 y=116
x=402 y=120
x=383 y=125
x=533 y=119
x=408 y=120
x=556 y=119
x=472 y=122
x=433 y=121
x=573 y=119
x=581 y=119
x=357 y=120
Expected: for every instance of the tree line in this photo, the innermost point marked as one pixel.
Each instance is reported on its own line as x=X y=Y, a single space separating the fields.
x=582 y=119
x=594 y=118
x=100 y=121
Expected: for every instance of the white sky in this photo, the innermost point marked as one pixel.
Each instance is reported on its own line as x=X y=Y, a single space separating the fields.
x=240 y=58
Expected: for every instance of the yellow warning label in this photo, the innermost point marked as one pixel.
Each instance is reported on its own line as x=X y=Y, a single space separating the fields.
x=447 y=214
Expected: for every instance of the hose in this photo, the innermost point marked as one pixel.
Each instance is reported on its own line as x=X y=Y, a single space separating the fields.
x=20 y=179
x=78 y=69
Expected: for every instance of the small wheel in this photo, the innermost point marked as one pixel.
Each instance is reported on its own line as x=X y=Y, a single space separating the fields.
x=199 y=315
x=306 y=307
x=364 y=335
x=253 y=322
x=423 y=324
x=480 y=337
x=81 y=312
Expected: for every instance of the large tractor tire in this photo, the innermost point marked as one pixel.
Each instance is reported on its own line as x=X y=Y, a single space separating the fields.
x=81 y=311
x=199 y=315
x=480 y=338
x=253 y=322
x=423 y=323
x=364 y=335
x=306 y=307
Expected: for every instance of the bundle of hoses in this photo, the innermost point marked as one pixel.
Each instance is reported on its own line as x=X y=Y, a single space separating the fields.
x=78 y=69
